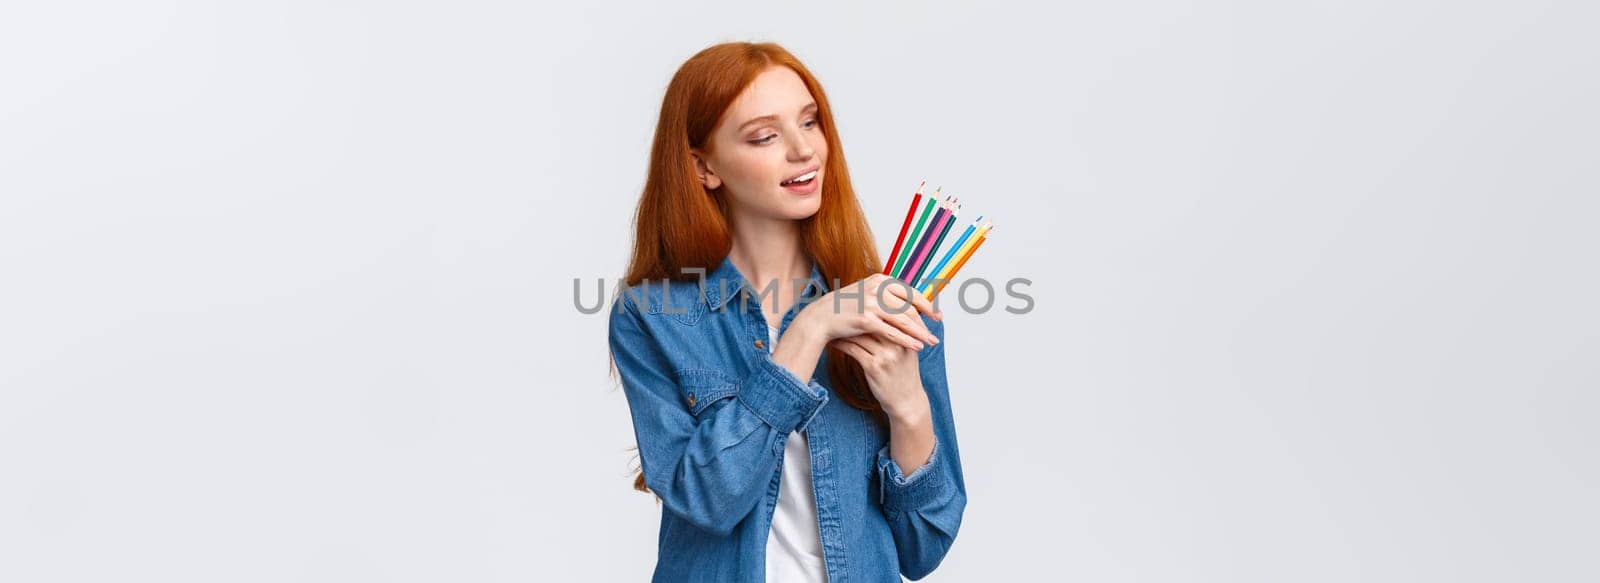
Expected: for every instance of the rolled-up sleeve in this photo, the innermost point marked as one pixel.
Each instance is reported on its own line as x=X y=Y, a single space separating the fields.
x=709 y=468
x=924 y=509
x=779 y=398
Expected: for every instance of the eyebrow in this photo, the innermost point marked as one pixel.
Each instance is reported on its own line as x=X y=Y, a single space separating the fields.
x=772 y=117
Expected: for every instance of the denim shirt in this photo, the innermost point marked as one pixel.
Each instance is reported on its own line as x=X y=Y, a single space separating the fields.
x=711 y=412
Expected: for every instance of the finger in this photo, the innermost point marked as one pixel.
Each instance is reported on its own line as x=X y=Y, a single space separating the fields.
x=920 y=327
x=925 y=305
x=885 y=329
x=863 y=342
x=867 y=341
x=912 y=324
x=901 y=314
x=878 y=348
x=853 y=350
x=877 y=344
x=920 y=302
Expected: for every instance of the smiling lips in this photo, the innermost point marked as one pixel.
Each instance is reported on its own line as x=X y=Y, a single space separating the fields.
x=801 y=179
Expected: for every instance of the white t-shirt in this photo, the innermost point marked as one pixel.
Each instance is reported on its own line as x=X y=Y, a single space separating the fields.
x=794 y=546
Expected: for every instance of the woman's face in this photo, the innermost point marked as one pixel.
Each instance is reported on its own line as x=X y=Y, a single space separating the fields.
x=769 y=150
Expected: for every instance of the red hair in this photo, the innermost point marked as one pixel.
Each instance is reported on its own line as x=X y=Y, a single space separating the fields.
x=679 y=224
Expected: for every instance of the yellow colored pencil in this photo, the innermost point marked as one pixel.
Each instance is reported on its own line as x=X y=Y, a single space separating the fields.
x=951 y=272
x=962 y=252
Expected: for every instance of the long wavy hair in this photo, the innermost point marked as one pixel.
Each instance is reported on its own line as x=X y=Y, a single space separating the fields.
x=680 y=224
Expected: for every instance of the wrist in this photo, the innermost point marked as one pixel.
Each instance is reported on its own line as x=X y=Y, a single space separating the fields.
x=914 y=414
x=808 y=329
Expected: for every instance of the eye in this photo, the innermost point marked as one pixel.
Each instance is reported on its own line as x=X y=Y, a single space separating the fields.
x=764 y=141
x=812 y=123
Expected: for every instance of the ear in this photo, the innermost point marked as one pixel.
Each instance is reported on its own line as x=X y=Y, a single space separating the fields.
x=708 y=177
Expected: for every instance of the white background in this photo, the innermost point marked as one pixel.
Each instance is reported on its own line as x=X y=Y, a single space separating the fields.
x=286 y=287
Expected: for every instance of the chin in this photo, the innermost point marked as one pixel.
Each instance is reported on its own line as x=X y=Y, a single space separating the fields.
x=802 y=210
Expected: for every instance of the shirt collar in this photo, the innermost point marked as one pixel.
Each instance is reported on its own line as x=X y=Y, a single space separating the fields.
x=724 y=283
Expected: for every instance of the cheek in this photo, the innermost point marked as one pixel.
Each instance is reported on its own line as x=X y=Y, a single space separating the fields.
x=757 y=167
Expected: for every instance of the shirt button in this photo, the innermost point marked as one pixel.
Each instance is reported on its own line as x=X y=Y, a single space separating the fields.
x=691 y=399
x=760 y=344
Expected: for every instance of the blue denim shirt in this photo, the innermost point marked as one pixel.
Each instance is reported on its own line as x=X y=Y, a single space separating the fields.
x=711 y=412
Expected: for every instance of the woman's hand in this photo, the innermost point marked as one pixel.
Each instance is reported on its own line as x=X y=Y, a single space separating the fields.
x=858 y=311
x=878 y=305
x=895 y=377
x=893 y=374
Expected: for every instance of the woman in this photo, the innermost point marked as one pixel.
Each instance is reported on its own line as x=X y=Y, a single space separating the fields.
x=766 y=469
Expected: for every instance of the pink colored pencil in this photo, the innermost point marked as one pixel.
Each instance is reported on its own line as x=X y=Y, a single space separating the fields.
x=928 y=238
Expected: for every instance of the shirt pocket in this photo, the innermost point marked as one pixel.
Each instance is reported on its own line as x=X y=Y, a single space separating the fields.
x=704 y=387
x=687 y=304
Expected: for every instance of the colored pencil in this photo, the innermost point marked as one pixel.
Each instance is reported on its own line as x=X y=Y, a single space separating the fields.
x=940 y=218
x=933 y=250
x=961 y=253
x=916 y=233
x=950 y=254
x=905 y=226
x=963 y=261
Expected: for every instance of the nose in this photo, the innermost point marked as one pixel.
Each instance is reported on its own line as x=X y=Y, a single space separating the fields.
x=800 y=148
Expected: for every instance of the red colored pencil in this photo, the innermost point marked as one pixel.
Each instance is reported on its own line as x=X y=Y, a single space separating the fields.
x=906 y=226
